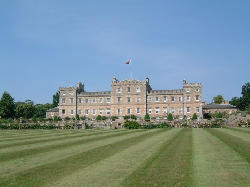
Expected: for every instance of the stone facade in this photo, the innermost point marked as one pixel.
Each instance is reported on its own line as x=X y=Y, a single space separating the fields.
x=215 y=108
x=131 y=97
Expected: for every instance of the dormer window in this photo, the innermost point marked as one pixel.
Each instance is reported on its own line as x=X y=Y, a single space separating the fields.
x=187 y=89
x=138 y=89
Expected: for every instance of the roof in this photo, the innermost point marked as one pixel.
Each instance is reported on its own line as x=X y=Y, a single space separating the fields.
x=218 y=106
x=53 y=110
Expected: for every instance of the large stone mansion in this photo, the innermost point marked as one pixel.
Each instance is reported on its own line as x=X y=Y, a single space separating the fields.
x=131 y=97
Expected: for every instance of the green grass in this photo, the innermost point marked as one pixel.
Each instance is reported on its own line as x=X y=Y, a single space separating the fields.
x=158 y=157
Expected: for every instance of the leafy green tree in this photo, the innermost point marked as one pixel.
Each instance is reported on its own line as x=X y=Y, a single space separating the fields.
x=218 y=99
x=29 y=110
x=56 y=98
x=170 y=117
x=147 y=117
x=243 y=102
x=7 y=106
x=19 y=109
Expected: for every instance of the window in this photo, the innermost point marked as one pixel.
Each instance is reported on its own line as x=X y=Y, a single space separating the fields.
x=108 y=111
x=172 y=98
x=157 y=110
x=188 y=109
x=128 y=111
x=138 y=89
x=165 y=99
x=149 y=99
x=79 y=100
x=94 y=111
x=138 y=111
x=165 y=110
x=128 y=89
x=156 y=99
x=180 y=99
x=118 y=90
x=86 y=100
x=63 y=111
x=71 y=112
x=138 y=99
x=197 y=97
x=128 y=98
x=100 y=111
x=63 y=100
x=100 y=100
x=87 y=112
x=93 y=100
x=172 y=110
x=180 y=110
x=79 y=112
x=197 y=109
x=197 y=89
x=188 y=98
x=71 y=100
x=118 y=111
x=119 y=99
x=108 y=99
x=149 y=110
x=187 y=89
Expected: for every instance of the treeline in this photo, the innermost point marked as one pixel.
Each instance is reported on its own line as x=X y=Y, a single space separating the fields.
x=243 y=102
x=9 y=109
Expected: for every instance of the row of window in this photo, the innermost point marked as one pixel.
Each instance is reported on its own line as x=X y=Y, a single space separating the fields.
x=94 y=100
x=119 y=90
x=165 y=98
x=138 y=111
x=165 y=110
x=138 y=99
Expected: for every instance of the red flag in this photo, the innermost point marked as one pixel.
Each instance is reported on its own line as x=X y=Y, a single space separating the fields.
x=129 y=61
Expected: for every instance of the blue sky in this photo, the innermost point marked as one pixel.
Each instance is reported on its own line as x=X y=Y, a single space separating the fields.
x=45 y=44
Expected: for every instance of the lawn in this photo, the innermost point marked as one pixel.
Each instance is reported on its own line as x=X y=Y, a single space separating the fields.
x=158 y=157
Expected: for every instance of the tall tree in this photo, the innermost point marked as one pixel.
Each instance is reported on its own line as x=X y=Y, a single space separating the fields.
x=242 y=103
x=7 y=106
x=56 y=98
x=218 y=99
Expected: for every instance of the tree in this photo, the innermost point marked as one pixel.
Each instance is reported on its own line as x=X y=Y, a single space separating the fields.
x=56 y=98
x=147 y=117
x=7 y=106
x=218 y=99
x=243 y=102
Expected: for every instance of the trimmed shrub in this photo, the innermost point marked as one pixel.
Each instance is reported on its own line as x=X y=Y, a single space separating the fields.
x=132 y=125
x=194 y=116
x=147 y=117
x=170 y=117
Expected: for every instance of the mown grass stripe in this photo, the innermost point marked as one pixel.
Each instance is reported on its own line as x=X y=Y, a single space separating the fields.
x=40 y=135
x=237 y=144
x=49 y=139
x=26 y=152
x=47 y=173
x=114 y=169
x=14 y=166
x=240 y=130
x=170 y=166
x=216 y=164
